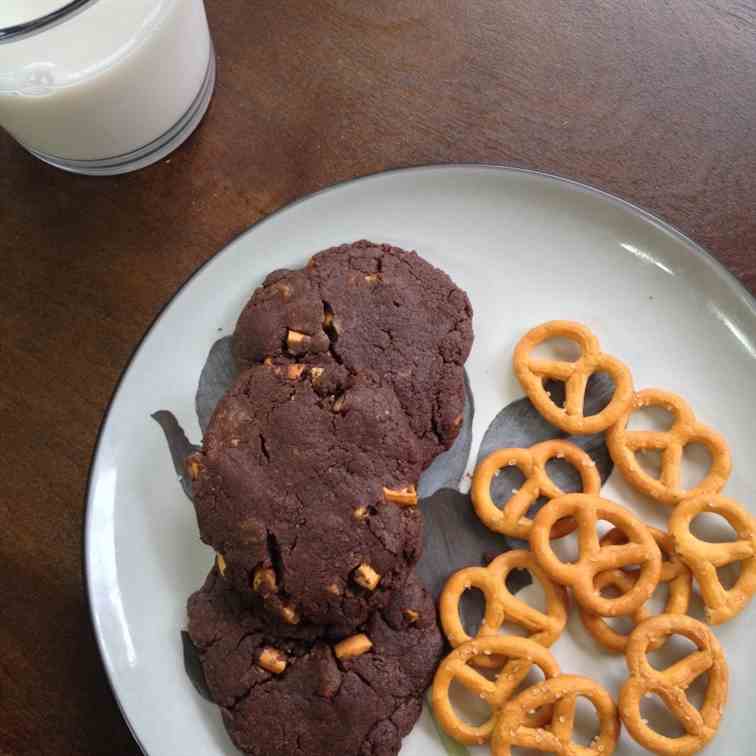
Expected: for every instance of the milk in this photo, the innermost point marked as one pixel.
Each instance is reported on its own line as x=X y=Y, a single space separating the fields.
x=106 y=81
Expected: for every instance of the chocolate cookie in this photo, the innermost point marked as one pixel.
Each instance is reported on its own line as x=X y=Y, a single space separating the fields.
x=302 y=695
x=370 y=307
x=306 y=493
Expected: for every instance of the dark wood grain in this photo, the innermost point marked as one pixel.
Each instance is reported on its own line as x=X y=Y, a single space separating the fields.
x=652 y=101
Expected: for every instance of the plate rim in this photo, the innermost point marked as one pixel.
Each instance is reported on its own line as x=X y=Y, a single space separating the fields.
x=713 y=264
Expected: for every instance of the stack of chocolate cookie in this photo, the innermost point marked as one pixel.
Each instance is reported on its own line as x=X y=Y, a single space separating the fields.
x=315 y=635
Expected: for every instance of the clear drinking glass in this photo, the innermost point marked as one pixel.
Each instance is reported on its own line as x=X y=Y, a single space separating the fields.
x=103 y=86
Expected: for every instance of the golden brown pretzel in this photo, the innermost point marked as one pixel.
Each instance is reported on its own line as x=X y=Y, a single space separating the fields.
x=521 y=654
x=531 y=373
x=623 y=445
x=501 y=606
x=512 y=519
x=593 y=558
x=670 y=684
x=673 y=572
x=514 y=728
x=703 y=557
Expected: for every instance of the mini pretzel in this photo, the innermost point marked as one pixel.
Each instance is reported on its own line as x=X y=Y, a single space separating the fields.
x=670 y=684
x=501 y=605
x=703 y=557
x=593 y=559
x=512 y=727
x=673 y=572
x=521 y=652
x=512 y=519
x=623 y=445
x=531 y=373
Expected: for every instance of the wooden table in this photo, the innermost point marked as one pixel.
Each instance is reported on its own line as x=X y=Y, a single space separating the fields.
x=652 y=101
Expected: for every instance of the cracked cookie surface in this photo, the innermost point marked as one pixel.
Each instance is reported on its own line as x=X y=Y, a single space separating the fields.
x=310 y=701
x=366 y=306
x=289 y=490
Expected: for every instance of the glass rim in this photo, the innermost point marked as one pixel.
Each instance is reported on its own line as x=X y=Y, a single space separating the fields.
x=36 y=25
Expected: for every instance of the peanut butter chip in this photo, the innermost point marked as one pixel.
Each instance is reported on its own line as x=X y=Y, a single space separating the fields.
x=264 y=580
x=411 y=615
x=294 y=371
x=367 y=577
x=221 y=562
x=354 y=646
x=405 y=497
x=295 y=341
x=290 y=615
x=272 y=660
x=360 y=513
x=194 y=469
x=284 y=290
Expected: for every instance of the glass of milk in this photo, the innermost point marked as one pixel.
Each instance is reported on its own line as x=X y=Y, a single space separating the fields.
x=103 y=86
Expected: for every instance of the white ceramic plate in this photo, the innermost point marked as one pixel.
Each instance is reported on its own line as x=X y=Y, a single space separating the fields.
x=527 y=248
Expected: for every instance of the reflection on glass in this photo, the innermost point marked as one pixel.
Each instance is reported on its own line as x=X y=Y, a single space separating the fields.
x=646 y=257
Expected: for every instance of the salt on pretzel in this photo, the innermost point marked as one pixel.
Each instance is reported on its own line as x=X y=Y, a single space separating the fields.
x=673 y=572
x=512 y=519
x=670 y=684
x=521 y=654
x=703 y=557
x=594 y=558
x=500 y=605
x=531 y=373
x=514 y=728
x=623 y=445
